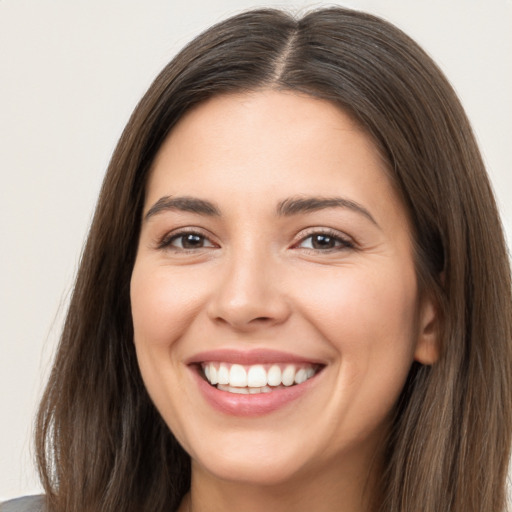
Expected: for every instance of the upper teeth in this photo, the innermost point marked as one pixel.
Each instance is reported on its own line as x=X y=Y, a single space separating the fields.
x=258 y=375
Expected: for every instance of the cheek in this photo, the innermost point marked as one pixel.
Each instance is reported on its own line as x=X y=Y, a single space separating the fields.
x=162 y=305
x=363 y=305
x=162 y=309
x=369 y=317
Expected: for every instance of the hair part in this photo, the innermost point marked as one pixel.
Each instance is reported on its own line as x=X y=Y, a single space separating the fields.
x=101 y=444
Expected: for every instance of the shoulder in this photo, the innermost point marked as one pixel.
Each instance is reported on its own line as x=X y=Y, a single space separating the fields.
x=24 y=504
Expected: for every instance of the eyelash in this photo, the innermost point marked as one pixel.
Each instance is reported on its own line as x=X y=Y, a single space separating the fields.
x=340 y=242
x=168 y=239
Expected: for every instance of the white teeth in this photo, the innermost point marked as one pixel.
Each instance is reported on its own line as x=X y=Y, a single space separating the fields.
x=237 y=376
x=256 y=378
x=245 y=391
x=301 y=376
x=213 y=375
x=240 y=391
x=274 y=375
x=288 y=377
x=223 y=374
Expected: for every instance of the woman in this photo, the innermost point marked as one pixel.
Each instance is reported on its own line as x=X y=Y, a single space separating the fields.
x=295 y=292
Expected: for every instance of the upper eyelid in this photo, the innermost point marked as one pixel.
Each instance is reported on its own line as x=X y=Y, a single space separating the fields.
x=169 y=236
x=319 y=230
x=342 y=244
x=303 y=234
x=207 y=243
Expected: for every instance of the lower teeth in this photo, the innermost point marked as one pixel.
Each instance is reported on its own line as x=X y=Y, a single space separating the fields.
x=247 y=390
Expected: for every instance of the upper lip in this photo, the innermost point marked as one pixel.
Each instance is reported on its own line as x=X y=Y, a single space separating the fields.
x=249 y=357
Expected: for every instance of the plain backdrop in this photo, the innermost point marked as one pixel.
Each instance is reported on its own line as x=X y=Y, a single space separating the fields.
x=71 y=71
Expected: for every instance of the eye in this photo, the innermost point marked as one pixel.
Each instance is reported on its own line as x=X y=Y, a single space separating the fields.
x=324 y=241
x=186 y=241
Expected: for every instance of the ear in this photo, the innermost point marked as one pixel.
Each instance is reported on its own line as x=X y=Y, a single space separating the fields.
x=428 y=346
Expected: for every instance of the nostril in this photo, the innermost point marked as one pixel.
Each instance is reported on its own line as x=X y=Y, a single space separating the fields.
x=245 y=323
x=243 y=310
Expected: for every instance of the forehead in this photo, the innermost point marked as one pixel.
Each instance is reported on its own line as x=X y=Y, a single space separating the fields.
x=270 y=144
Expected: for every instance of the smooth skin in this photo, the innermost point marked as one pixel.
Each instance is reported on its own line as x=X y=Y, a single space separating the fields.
x=335 y=283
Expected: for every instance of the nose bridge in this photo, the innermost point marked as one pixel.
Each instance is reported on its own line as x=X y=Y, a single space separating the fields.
x=248 y=291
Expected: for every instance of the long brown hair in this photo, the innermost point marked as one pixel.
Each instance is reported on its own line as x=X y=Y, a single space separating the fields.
x=101 y=444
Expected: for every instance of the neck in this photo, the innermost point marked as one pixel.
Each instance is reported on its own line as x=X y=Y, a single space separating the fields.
x=328 y=491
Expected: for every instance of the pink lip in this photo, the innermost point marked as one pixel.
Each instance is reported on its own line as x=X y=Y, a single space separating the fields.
x=249 y=405
x=248 y=357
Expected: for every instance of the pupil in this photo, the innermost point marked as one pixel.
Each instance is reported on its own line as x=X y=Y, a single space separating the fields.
x=323 y=242
x=192 y=241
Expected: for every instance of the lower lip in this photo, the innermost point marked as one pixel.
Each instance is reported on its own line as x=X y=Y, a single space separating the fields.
x=257 y=404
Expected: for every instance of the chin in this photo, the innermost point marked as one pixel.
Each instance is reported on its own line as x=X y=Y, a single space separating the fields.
x=268 y=472
x=253 y=459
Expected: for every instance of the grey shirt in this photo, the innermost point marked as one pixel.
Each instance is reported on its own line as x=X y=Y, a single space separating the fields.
x=24 y=504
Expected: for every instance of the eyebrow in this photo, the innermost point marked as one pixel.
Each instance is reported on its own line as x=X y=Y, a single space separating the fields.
x=286 y=208
x=184 y=204
x=298 y=205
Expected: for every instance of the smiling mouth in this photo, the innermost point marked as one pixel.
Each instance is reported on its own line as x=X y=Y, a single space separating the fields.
x=258 y=378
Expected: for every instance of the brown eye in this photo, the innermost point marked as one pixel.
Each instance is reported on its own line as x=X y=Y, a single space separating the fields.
x=324 y=241
x=189 y=241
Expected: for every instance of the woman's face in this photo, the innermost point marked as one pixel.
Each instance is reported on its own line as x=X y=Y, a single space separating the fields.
x=276 y=258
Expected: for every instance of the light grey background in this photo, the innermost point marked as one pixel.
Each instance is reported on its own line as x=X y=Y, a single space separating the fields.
x=71 y=73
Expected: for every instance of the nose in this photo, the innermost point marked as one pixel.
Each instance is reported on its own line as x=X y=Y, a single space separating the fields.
x=249 y=294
